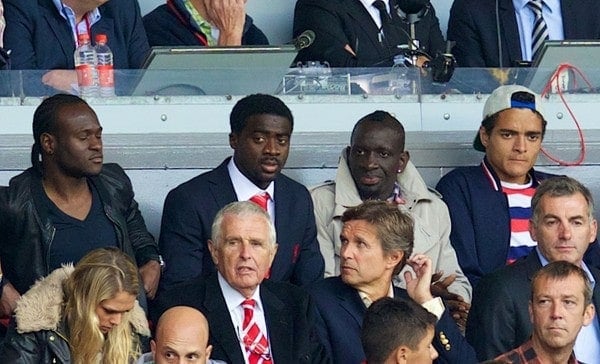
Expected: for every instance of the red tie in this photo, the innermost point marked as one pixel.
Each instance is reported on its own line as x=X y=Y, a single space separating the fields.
x=256 y=344
x=261 y=199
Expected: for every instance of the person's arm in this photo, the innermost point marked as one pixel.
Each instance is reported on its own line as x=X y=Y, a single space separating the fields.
x=492 y=320
x=461 y=29
x=437 y=43
x=323 y=206
x=21 y=348
x=462 y=235
x=138 y=41
x=18 y=35
x=331 y=43
x=309 y=266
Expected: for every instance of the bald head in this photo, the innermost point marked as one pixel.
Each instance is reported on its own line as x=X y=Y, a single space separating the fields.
x=181 y=337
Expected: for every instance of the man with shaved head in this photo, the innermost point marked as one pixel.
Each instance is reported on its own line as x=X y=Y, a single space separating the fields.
x=181 y=337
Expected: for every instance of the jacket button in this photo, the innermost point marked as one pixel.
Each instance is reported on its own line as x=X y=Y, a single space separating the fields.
x=51 y=338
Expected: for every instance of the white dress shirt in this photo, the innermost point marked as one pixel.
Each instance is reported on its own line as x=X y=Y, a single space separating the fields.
x=234 y=300
x=244 y=188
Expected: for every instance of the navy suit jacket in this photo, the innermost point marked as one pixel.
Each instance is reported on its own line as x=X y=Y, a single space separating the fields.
x=340 y=22
x=187 y=220
x=289 y=315
x=40 y=38
x=164 y=28
x=499 y=317
x=472 y=25
x=341 y=312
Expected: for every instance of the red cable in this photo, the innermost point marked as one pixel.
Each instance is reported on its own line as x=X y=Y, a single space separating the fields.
x=566 y=67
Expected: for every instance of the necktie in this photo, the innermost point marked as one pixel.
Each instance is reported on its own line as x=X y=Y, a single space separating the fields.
x=255 y=342
x=261 y=199
x=386 y=20
x=540 y=29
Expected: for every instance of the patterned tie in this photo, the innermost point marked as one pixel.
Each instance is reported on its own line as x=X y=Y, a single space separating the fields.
x=256 y=344
x=540 y=29
x=261 y=199
x=386 y=20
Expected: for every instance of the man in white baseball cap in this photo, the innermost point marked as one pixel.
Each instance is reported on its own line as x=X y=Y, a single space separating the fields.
x=490 y=204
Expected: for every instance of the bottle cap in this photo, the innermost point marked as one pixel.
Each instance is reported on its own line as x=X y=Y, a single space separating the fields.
x=101 y=38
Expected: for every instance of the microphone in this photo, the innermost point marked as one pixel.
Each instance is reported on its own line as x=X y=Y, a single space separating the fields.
x=304 y=40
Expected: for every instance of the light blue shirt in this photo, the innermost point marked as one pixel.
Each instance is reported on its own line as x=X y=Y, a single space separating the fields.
x=525 y=18
x=587 y=345
x=68 y=14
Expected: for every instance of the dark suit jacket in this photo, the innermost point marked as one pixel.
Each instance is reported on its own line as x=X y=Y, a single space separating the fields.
x=289 y=314
x=187 y=221
x=40 y=38
x=164 y=28
x=499 y=317
x=341 y=312
x=472 y=25
x=340 y=22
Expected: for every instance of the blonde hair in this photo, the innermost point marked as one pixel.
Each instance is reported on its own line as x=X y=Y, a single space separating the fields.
x=100 y=275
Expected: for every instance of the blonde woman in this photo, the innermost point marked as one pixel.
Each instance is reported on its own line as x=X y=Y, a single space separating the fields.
x=86 y=314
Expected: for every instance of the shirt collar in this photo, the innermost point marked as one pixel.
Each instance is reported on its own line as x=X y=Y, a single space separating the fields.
x=244 y=188
x=585 y=268
x=368 y=301
x=233 y=298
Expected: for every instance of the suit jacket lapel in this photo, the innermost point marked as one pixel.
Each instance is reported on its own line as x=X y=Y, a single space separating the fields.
x=221 y=329
x=279 y=326
x=596 y=293
x=350 y=301
x=363 y=19
x=221 y=187
x=60 y=27
x=510 y=31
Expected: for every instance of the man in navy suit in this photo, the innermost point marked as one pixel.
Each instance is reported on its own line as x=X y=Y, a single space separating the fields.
x=563 y=226
x=479 y=26
x=377 y=241
x=249 y=317
x=42 y=34
x=261 y=129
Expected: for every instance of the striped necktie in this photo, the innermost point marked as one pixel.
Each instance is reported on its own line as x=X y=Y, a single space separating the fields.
x=540 y=29
x=255 y=342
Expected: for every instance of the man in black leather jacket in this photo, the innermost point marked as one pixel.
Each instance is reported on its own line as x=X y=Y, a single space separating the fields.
x=68 y=203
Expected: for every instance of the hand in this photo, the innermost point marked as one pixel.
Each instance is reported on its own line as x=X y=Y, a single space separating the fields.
x=418 y=287
x=458 y=308
x=2 y=24
x=8 y=302
x=150 y=273
x=62 y=80
x=229 y=17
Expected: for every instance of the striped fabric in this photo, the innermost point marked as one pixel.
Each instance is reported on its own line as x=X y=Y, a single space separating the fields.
x=519 y=206
x=540 y=29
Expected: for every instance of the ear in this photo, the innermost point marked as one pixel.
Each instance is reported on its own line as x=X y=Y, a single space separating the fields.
x=400 y=355
x=593 y=230
x=233 y=140
x=588 y=314
x=485 y=138
x=208 y=352
x=153 y=347
x=532 y=231
x=402 y=160
x=48 y=143
x=530 y=309
x=213 y=252
x=394 y=258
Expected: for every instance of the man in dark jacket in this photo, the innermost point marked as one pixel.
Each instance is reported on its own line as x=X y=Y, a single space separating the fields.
x=68 y=203
x=490 y=204
x=202 y=23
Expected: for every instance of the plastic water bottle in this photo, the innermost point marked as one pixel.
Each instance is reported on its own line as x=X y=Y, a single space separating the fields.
x=85 y=65
x=106 y=76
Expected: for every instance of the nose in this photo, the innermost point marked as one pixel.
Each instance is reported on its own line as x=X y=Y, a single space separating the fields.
x=565 y=231
x=115 y=319
x=346 y=251
x=245 y=250
x=520 y=144
x=556 y=311
x=96 y=143
x=272 y=147
x=371 y=160
x=433 y=353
